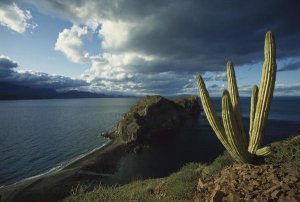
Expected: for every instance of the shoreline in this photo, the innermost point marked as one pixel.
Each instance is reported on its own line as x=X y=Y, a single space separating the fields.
x=94 y=168
x=59 y=167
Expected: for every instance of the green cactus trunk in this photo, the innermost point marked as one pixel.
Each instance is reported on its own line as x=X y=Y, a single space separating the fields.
x=265 y=94
x=235 y=101
x=253 y=107
x=232 y=130
x=232 y=136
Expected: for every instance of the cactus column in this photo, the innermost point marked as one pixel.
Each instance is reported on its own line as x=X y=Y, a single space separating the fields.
x=235 y=101
x=233 y=135
x=265 y=94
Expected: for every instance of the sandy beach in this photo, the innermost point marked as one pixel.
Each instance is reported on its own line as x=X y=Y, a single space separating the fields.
x=95 y=168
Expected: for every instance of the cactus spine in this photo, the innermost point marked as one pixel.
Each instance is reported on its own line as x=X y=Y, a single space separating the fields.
x=232 y=136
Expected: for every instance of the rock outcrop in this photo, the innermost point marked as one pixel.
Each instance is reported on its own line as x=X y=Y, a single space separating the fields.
x=190 y=104
x=155 y=115
x=245 y=182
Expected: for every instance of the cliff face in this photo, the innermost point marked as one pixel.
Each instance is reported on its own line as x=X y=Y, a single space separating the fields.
x=155 y=115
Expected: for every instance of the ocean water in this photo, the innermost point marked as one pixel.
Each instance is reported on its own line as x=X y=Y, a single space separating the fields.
x=38 y=136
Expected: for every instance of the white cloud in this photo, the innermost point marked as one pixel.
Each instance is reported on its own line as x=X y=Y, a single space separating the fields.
x=70 y=42
x=15 y=18
x=114 y=34
x=215 y=76
x=104 y=70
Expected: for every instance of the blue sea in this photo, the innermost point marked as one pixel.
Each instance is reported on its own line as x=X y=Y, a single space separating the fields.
x=42 y=136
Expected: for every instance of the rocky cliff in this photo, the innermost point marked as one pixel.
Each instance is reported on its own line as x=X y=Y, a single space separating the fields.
x=155 y=115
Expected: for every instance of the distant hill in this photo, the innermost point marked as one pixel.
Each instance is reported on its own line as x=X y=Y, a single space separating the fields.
x=16 y=92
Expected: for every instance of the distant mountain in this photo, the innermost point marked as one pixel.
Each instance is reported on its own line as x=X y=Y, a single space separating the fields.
x=16 y=92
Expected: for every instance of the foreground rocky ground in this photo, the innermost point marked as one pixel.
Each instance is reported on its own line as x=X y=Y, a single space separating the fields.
x=278 y=179
x=247 y=182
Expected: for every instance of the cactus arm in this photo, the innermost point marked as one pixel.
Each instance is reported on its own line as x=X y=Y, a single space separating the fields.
x=253 y=107
x=265 y=93
x=211 y=114
x=235 y=100
x=232 y=131
x=264 y=151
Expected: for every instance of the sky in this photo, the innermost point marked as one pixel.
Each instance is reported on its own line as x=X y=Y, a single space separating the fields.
x=139 y=47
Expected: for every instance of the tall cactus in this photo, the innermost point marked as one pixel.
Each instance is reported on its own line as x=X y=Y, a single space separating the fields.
x=265 y=93
x=233 y=135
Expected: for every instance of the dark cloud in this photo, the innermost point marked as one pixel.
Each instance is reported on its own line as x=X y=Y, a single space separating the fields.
x=193 y=35
x=6 y=66
x=5 y=62
x=290 y=67
x=9 y=74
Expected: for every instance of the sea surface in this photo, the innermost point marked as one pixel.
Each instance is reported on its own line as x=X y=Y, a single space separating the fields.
x=38 y=136
x=41 y=136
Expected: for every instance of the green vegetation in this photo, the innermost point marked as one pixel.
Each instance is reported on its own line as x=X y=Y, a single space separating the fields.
x=286 y=152
x=232 y=135
x=179 y=186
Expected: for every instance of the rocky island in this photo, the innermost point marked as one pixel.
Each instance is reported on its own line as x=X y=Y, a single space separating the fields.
x=155 y=116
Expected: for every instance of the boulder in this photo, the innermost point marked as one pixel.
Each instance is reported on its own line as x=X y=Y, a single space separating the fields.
x=155 y=116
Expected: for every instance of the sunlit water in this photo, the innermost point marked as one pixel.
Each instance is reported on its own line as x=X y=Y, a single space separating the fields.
x=41 y=135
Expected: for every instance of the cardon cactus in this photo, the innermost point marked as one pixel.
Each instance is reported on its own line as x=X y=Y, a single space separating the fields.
x=232 y=133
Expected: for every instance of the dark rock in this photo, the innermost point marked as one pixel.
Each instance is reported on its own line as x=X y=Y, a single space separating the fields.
x=155 y=116
x=217 y=196
x=190 y=104
x=139 y=148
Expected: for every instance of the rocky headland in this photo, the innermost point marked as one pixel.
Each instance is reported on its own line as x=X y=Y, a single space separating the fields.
x=154 y=117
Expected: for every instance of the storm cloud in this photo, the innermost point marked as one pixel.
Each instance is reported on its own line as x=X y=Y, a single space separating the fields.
x=10 y=74
x=290 y=67
x=6 y=66
x=187 y=35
